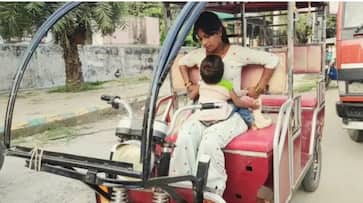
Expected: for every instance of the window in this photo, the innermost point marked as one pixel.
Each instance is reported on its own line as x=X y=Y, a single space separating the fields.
x=353 y=15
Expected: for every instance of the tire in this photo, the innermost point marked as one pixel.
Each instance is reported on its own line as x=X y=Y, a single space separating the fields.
x=356 y=135
x=2 y=154
x=312 y=177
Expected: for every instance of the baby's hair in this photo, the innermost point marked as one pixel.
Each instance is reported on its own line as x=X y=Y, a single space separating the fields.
x=211 y=69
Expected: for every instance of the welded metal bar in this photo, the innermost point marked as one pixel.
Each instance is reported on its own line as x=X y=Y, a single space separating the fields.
x=244 y=24
x=65 y=160
x=279 y=137
x=149 y=113
x=172 y=44
x=290 y=46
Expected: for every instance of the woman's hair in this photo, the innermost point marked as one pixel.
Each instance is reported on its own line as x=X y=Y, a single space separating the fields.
x=210 y=24
x=211 y=69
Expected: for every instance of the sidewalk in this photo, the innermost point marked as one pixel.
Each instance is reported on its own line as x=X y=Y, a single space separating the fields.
x=38 y=110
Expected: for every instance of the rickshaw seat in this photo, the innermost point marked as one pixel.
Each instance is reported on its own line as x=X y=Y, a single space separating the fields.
x=260 y=140
x=307 y=100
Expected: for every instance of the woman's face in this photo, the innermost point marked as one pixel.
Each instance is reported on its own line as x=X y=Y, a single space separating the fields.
x=209 y=42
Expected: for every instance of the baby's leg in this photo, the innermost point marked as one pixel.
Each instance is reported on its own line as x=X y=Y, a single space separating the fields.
x=246 y=114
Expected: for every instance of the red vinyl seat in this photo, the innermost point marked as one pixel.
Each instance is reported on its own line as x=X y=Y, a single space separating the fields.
x=260 y=140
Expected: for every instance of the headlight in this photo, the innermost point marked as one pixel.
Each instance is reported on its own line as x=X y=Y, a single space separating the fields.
x=355 y=87
x=350 y=87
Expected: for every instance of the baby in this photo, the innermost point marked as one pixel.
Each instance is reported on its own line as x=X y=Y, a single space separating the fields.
x=214 y=88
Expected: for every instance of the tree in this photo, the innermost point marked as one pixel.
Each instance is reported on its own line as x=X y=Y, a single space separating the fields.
x=22 y=19
x=165 y=11
x=331 y=26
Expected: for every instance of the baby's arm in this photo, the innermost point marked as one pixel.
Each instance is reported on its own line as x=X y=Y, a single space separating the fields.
x=244 y=101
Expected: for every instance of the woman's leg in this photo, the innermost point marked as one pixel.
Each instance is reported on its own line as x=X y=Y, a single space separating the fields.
x=184 y=156
x=214 y=139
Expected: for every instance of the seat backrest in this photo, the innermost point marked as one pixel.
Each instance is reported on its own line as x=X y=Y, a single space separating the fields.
x=307 y=59
x=250 y=75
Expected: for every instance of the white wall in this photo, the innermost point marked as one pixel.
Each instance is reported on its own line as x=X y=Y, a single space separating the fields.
x=138 y=30
x=46 y=68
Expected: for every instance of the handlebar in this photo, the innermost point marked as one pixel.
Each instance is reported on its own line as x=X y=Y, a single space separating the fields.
x=204 y=106
x=115 y=101
x=210 y=106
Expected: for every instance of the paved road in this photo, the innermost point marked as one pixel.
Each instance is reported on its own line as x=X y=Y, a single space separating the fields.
x=341 y=179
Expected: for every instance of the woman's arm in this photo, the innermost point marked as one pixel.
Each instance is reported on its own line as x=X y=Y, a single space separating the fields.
x=270 y=61
x=192 y=89
x=187 y=61
x=255 y=91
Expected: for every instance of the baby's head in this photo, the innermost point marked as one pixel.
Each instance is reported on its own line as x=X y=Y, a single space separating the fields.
x=211 y=69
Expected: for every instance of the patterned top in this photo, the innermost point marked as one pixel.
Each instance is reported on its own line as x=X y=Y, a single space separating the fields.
x=235 y=58
x=219 y=93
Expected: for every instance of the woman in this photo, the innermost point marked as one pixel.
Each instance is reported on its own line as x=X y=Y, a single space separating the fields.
x=211 y=34
x=196 y=139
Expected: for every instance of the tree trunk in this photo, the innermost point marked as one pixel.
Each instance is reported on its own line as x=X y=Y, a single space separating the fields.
x=74 y=77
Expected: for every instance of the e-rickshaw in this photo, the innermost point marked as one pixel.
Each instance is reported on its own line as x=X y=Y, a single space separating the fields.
x=281 y=157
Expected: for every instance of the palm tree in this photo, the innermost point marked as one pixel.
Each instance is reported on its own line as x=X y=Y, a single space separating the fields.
x=20 y=19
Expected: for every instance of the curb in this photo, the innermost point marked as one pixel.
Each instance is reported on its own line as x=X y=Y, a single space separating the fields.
x=82 y=116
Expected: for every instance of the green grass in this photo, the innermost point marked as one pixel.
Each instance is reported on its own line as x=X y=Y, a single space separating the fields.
x=134 y=80
x=305 y=87
x=83 y=87
x=54 y=132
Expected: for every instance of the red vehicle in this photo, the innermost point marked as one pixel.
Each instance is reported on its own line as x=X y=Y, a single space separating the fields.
x=281 y=157
x=349 y=61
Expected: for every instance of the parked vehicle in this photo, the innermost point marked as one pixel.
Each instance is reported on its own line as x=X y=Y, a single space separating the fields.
x=350 y=67
x=282 y=156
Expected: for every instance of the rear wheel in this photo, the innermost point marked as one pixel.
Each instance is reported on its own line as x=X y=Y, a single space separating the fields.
x=356 y=135
x=312 y=177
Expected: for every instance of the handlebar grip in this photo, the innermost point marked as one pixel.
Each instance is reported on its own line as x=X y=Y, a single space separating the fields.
x=106 y=97
x=209 y=106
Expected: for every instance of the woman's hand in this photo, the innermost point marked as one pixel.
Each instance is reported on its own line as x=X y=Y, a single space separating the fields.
x=255 y=105
x=249 y=102
x=251 y=91
x=193 y=91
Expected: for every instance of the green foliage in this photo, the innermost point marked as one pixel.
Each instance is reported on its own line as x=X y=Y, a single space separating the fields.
x=189 y=41
x=53 y=133
x=83 y=87
x=156 y=9
x=15 y=22
x=23 y=18
x=303 y=29
x=331 y=26
x=152 y=9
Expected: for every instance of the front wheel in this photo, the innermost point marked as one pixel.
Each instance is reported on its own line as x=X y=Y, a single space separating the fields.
x=312 y=177
x=356 y=135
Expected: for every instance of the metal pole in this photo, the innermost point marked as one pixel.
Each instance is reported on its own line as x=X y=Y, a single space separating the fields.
x=244 y=24
x=323 y=40
x=167 y=20
x=290 y=47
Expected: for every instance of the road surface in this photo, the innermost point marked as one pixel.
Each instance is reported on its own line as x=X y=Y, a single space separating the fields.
x=341 y=179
